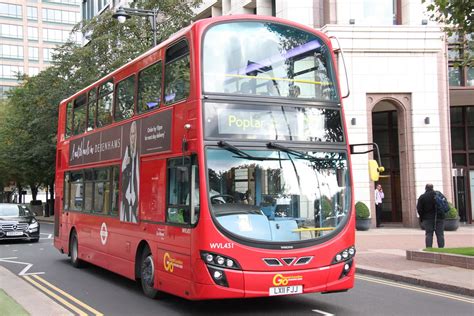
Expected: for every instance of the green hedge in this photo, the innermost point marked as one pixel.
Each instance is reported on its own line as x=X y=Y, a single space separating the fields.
x=362 y=211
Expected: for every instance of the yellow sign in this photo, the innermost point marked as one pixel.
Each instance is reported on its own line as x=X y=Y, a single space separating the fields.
x=170 y=263
x=280 y=279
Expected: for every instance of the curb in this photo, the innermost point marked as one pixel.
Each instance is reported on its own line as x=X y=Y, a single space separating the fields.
x=35 y=302
x=417 y=281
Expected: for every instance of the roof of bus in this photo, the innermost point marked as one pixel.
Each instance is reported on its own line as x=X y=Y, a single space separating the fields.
x=200 y=25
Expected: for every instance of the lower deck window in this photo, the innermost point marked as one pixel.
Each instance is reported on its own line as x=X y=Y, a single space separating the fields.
x=92 y=190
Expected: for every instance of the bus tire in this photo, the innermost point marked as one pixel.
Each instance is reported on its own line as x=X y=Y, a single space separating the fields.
x=147 y=274
x=74 y=251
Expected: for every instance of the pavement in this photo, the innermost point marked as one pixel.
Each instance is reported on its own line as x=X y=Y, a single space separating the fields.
x=381 y=252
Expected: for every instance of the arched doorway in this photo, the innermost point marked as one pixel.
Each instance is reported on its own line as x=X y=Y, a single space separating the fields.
x=385 y=132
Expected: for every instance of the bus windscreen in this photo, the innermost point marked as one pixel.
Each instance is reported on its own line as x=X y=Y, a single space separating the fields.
x=267 y=59
x=278 y=195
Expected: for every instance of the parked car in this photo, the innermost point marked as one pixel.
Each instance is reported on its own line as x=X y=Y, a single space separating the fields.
x=18 y=222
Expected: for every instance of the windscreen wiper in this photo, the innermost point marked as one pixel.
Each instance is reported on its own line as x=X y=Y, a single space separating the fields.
x=242 y=154
x=299 y=154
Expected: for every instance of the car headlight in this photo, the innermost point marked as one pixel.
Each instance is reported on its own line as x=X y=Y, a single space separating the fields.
x=34 y=224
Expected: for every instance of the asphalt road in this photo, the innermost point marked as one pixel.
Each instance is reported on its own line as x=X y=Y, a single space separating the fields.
x=95 y=291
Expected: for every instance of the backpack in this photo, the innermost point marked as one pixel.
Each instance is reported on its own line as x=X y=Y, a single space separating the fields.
x=441 y=203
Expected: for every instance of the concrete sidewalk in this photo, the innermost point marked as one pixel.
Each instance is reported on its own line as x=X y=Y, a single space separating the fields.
x=32 y=300
x=382 y=252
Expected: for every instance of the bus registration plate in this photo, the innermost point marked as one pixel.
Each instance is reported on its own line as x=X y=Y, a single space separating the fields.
x=286 y=290
x=14 y=233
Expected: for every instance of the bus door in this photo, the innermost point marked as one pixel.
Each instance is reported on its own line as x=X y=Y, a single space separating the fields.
x=182 y=211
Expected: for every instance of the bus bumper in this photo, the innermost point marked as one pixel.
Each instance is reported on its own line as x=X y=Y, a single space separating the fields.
x=260 y=284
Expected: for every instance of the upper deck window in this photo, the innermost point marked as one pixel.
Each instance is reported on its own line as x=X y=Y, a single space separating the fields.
x=267 y=59
x=104 y=108
x=79 y=118
x=91 y=108
x=177 y=72
x=69 y=116
x=125 y=102
x=149 y=88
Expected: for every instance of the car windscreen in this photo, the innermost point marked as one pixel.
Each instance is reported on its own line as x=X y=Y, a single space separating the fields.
x=12 y=210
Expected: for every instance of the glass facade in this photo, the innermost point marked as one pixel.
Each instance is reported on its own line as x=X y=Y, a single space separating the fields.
x=29 y=32
x=461 y=48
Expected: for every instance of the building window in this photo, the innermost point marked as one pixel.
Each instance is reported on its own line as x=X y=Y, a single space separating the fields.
x=10 y=72
x=11 y=51
x=32 y=13
x=11 y=31
x=57 y=36
x=462 y=135
x=33 y=71
x=10 y=10
x=461 y=48
x=33 y=53
x=3 y=91
x=60 y=16
x=32 y=33
x=48 y=54
x=372 y=12
x=70 y=2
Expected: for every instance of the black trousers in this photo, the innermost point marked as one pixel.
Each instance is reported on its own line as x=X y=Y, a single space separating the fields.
x=378 y=214
x=429 y=225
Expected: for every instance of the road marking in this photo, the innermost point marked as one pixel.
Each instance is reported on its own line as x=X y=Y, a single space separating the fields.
x=416 y=289
x=322 y=312
x=72 y=298
x=50 y=236
x=57 y=297
x=23 y=272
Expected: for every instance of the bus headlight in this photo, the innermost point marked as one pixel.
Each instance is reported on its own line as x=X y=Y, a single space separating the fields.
x=344 y=255
x=219 y=260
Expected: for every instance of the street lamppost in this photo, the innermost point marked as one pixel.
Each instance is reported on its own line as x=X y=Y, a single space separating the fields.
x=123 y=14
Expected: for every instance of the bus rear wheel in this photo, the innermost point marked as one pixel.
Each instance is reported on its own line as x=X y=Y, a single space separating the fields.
x=74 y=251
x=147 y=274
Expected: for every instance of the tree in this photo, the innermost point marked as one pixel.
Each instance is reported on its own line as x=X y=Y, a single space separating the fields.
x=28 y=120
x=458 y=17
x=457 y=14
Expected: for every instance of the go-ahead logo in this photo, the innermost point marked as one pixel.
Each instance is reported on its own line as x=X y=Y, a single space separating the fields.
x=170 y=263
x=280 y=279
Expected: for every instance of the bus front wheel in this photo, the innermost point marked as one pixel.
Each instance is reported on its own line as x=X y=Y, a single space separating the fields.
x=74 y=251
x=147 y=274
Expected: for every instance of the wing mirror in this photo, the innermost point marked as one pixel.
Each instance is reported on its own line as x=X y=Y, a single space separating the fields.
x=374 y=168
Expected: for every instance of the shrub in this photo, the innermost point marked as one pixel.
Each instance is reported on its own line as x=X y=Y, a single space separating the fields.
x=362 y=211
x=452 y=213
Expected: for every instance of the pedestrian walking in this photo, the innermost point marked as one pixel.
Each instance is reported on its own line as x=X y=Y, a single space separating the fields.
x=431 y=218
x=378 y=204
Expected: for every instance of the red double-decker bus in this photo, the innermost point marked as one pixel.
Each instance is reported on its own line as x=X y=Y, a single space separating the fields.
x=215 y=165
